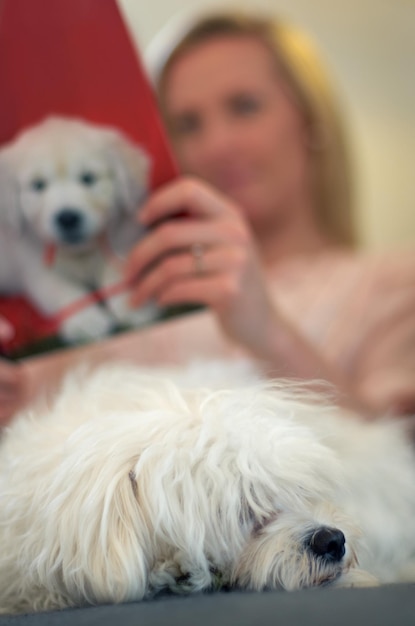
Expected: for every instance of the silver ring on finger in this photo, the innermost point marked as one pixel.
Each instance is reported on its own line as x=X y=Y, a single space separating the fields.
x=198 y=258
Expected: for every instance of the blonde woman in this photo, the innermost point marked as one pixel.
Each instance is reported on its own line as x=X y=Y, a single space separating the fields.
x=250 y=110
x=267 y=238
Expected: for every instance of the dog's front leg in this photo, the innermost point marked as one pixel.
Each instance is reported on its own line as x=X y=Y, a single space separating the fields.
x=118 y=304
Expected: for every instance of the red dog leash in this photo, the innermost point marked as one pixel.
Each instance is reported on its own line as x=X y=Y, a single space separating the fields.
x=94 y=296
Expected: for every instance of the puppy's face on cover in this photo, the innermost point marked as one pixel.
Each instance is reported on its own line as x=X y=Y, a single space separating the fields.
x=71 y=180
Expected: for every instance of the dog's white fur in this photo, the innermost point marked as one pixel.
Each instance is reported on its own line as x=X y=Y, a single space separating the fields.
x=59 y=170
x=135 y=480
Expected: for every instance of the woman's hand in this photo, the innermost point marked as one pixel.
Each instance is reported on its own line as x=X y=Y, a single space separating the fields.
x=12 y=379
x=385 y=367
x=12 y=390
x=226 y=276
x=208 y=257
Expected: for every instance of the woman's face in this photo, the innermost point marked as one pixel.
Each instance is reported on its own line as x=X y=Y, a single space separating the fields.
x=234 y=123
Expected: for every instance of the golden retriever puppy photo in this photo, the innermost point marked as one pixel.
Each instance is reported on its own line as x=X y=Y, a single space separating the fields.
x=70 y=191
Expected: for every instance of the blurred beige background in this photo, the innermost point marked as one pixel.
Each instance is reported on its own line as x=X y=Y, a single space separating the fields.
x=369 y=47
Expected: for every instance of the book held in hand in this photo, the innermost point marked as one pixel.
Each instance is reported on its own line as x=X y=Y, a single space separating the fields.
x=81 y=148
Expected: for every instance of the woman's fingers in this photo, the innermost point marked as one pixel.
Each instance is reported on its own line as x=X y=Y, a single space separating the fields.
x=193 y=266
x=167 y=238
x=10 y=377
x=180 y=235
x=172 y=268
x=187 y=196
x=215 y=291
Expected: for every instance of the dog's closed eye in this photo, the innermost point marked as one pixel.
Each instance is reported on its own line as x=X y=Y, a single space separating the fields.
x=131 y=476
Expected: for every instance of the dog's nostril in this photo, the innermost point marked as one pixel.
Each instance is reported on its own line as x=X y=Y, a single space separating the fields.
x=68 y=219
x=328 y=543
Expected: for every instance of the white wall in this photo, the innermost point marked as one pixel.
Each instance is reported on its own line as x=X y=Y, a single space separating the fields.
x=369 y=46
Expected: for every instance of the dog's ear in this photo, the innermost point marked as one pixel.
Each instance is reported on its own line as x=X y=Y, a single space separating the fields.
x=131 y=165
x=9 y=206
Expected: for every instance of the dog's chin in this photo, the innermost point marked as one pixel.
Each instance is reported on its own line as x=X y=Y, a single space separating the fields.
x=77 y=250
x=76 y=243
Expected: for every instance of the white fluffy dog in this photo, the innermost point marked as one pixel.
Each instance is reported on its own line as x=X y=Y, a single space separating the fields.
x=69 y=190
x=135 y=481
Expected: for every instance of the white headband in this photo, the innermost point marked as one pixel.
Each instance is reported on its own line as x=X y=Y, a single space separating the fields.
x=163 y=43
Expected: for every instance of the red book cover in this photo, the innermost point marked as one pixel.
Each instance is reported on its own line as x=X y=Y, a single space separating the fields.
x=81 y=146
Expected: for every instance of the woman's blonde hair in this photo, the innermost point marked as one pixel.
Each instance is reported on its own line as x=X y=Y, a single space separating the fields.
x=306 y=77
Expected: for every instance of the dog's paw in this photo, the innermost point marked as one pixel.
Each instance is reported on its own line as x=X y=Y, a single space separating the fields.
x=87 y=325
x=132 y=317
x=356 y=577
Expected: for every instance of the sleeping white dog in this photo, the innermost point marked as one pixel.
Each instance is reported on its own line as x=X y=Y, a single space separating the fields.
x=134 y=481
x=69 y=194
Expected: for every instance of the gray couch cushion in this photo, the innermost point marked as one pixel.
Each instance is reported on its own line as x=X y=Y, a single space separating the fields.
x=392 y=605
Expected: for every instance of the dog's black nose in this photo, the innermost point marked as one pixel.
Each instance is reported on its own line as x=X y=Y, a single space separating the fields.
x=69 y=220
x=328 y=543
